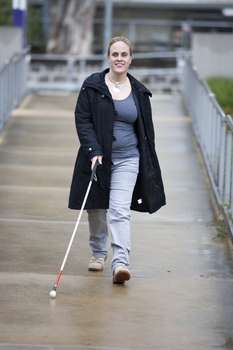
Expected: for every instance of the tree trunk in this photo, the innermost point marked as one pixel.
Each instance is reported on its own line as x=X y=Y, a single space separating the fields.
x=71 y=27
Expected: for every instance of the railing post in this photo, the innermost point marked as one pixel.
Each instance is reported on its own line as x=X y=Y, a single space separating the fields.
x=228 y=168
x=217 y=145
x=70 y=68
x=82 y=70
x=222 y=159
x=231 y=199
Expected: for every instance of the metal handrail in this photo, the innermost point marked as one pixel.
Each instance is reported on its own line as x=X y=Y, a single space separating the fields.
x=213 y=130
x=168 y=22
x=100 y=57
x=13 y=84
x=75 y=67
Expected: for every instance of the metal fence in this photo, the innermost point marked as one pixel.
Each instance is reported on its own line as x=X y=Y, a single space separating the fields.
x=13 y=85
x=67 y=72
x=213 y=130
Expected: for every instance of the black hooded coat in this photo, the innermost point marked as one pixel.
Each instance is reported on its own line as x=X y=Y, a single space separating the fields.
x=94 y=119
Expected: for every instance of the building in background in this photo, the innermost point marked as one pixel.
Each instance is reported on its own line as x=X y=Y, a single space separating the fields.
x=151 y=25
x=163 y=29
x=156 y=25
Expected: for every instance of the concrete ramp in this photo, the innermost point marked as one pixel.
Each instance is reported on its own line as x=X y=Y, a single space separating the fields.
x=180 y=296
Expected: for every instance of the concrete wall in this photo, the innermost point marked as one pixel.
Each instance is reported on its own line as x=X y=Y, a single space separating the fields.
x=10 y=42
x=213 y=54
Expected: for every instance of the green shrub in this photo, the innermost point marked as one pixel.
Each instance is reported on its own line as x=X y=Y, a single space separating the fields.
x=5 y=13
x=35 y=35
x=223 y=90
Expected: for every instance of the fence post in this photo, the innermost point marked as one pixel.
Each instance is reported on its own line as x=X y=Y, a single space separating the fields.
x=222 y=159
x=228 y=168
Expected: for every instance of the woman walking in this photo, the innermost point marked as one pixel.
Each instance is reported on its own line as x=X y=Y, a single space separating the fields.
x=114 y=125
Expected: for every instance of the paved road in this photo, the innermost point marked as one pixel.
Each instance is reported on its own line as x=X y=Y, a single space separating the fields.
x=181 y=291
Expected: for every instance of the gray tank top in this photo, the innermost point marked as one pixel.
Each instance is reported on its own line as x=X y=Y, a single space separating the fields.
x=125 y=141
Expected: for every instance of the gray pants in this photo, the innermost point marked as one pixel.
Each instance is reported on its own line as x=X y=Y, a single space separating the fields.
x=123 y=178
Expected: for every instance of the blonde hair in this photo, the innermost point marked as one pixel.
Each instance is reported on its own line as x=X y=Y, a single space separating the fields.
x=120 y=38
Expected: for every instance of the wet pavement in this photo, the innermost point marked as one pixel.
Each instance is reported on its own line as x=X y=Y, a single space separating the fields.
x=181 y=288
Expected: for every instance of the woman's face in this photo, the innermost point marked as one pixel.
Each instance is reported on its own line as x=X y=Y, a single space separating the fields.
x=119 y=57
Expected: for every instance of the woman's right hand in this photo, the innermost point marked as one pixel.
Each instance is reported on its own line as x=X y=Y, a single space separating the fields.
x=94 y=159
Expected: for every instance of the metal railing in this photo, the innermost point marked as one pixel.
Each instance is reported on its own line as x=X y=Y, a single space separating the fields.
x=67 y=72
x=213 y=130
x=13 y=85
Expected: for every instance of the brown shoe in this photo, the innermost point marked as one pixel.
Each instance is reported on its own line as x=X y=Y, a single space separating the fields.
x=121 y=274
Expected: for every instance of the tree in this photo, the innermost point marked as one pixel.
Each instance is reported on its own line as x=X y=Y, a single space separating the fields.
x=70 y=26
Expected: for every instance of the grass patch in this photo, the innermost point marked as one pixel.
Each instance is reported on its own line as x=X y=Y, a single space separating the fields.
x=223 y=90
x=221 y=227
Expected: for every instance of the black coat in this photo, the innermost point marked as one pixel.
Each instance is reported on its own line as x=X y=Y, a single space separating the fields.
x=94 y=118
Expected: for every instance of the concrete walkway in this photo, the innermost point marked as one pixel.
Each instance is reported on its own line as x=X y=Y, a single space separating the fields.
x=180 y=296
